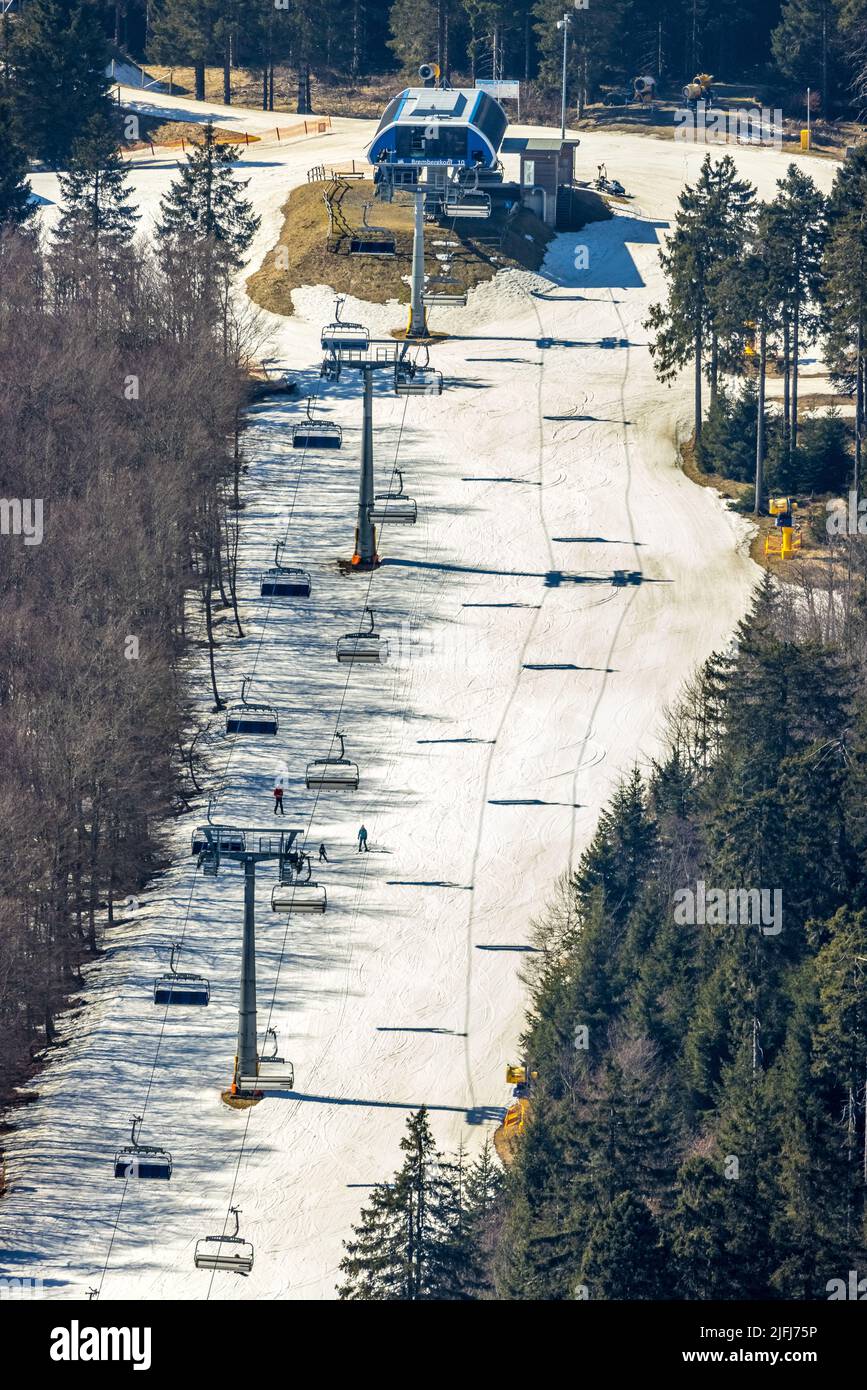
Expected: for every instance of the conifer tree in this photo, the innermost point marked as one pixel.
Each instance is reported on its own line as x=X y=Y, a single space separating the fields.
x=409 y=1244
x=844 y=300
x=206 y=201
x=15 y=205
x=60 y=57
x=96 y=192
x=625 y=1257
x=710 y=225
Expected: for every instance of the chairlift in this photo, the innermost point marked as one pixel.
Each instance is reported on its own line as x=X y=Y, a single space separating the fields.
x=394 y=506
x=137 y=1160
x=372 y=241
x=414 y=379
x=243 y=717
x=284 y=581
x=222 y=837
x=179 y=987
x=337 y=773
x=363 y=646
x=299 y=894
x=340 y=337
x=229 y=1254
x=316 y=434
x=434 y=299
x=271 y=1070
x=462 y=200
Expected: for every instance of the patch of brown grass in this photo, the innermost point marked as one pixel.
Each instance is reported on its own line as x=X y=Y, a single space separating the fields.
x=304 y=254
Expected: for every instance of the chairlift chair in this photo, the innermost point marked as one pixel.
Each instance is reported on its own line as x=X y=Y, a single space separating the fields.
x=299 y=894
x=137 y=1160
x=316 y=434
x=337 y=773
x=340 y=337
x=413 y=380
x=284 y=581
x=271 y=1070
x=222 y=837
x=228 y=1254
x=180 y=987
x=394 y=506
x=243 y=717
x=366 y=645
x=462 y=200
x=372 y=241
x=434 y=299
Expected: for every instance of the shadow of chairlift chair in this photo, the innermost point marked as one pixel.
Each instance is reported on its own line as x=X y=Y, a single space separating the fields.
x=271 y=1070
x=337 y=774
x=180 y=987
x=394 y=506
x=316 y=434
x=364 y=646
x=371 y=241
x=229 y=1254
x=340 y=337
x=244 y=717
x=142 y=1160
x=296 y=894
x=284 y=581
x=413 y=379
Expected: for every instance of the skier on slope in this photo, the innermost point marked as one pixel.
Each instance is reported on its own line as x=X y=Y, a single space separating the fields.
x=362 y=840
x=278 y=799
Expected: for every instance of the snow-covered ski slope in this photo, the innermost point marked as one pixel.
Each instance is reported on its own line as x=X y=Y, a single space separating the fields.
x=524 y=683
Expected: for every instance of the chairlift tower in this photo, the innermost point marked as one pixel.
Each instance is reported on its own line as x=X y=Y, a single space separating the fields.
x=366 y=361
x=251 y=848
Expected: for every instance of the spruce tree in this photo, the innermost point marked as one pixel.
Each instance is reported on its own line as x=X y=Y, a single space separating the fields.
x=844 y=299
x=95 y=191
x=409 y=1244
x=703 y=251
x=15 y=205
x=60 y=57
x=206 y=202
x=625 y=1257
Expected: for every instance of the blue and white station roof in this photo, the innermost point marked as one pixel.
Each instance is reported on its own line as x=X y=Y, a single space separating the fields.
x=434 y=125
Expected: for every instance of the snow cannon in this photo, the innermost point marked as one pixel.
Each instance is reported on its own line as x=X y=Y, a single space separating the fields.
x=787 y=537
x=699 y=89
x=644 y=89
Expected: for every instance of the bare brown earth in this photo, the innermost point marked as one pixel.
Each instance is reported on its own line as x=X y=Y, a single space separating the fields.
x=304 y=254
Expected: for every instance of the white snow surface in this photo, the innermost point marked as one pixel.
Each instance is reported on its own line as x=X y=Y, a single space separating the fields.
x=524 y=684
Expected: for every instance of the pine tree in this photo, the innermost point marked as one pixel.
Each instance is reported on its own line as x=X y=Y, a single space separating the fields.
x=696 y=1231
x=59 y=56
x=625 y=1257
x=206 y=201
x=186 y=31
x=700 y=255
x=96 y=191
x=807 y=46
x=844 y=299
x=410 y=1245
x=15 y=205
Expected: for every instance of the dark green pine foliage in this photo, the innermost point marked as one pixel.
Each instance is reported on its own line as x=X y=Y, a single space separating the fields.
x=60 y=57
x=625 y=1258
x=411 y=1243
x=15 y=205
x=697 y=324
x=96 y=195
x=697 y=1128
x=206 y=201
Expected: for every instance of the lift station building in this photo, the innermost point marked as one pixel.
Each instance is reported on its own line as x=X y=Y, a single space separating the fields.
x=451 y=126
x=547 y=175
